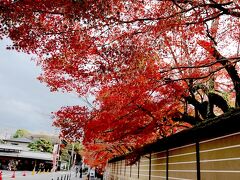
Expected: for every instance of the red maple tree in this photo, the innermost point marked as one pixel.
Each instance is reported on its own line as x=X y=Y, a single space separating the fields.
x=155 y=67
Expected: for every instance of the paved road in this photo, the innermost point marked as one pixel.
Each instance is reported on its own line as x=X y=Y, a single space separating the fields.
x=7 y=175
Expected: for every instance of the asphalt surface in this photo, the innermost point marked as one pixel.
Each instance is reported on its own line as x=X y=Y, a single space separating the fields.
x=19 y=175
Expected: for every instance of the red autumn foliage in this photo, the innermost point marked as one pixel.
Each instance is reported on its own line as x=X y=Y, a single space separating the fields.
x=145 y=62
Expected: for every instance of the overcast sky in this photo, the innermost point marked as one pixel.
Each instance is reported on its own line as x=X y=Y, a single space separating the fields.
x=24 y=101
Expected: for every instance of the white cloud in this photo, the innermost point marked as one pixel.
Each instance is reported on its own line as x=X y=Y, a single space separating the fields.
x=24 y=101
x=20 y=106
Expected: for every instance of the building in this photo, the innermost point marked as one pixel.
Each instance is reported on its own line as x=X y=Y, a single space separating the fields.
x=15 y=155
x=18 y=142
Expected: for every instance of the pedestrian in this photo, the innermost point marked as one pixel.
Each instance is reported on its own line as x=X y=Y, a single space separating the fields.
x=76 y=171
x=80 y=171
x=41 y=167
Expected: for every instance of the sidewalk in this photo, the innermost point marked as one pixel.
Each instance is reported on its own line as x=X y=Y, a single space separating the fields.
x=84 y=177
x=73 y=177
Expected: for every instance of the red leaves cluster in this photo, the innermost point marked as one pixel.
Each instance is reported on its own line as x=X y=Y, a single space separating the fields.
x=136 y=57
x=130 y=114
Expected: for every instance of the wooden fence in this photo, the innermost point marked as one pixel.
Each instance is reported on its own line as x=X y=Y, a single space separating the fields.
x=215 y=158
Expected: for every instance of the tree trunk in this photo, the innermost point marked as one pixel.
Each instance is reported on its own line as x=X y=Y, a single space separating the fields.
x=232 y=73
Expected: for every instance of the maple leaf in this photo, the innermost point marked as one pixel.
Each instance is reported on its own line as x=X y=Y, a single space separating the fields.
x=140 y=60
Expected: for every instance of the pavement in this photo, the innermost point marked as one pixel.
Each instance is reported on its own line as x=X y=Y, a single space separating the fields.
x=29 y=175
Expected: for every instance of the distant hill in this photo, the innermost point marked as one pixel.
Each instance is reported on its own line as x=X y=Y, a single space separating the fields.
x=52 y=138
x=32 y=136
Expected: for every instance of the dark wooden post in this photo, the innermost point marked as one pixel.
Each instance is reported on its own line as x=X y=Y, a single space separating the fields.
x=150 y=166
x=120 y=169
x=138 y=167
x=130 y=170
x=198 y=161
x=167 y=159
x=125 y=168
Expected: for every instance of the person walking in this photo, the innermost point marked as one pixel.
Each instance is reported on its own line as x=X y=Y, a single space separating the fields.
x=76 y=171
x=80 y=171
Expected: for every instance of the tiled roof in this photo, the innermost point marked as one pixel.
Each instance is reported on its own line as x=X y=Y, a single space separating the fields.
x=11 y=147
x=17 y=151
x=23 y=140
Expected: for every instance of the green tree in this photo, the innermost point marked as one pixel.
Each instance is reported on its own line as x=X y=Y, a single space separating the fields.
x=21 y=133
x=42 y=145
x=67 y=150
x=65 y=155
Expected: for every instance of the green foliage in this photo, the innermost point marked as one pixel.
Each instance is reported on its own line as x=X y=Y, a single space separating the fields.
x=66 y=151
x=21 y=133
x=42 y=145
x=65 y=156
x=77 y=147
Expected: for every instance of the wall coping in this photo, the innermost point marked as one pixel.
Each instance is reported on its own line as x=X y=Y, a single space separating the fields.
x=225 y=124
